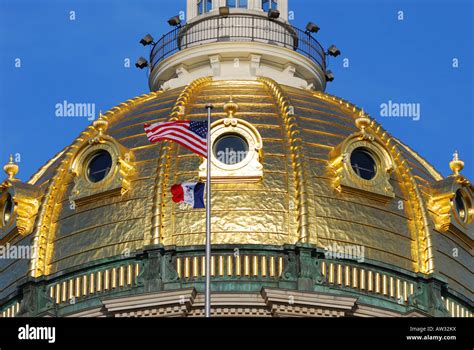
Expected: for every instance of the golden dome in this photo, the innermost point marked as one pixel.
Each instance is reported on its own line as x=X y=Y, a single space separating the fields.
x=318 y=212
x=303 y=197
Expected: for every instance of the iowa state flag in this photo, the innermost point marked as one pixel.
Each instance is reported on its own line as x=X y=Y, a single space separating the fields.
x=191 y=193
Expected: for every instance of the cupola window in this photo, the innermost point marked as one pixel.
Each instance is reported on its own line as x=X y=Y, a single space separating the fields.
x=236 y=3
x=204 y=6
x=268 y=5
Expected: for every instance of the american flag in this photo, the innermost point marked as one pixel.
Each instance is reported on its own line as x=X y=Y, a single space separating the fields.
x=190 y=134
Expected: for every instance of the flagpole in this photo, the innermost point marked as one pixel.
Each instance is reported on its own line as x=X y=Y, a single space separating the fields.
x=209 y=107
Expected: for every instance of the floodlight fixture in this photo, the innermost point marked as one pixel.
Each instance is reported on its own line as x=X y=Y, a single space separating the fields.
x=175 y=21
x=224 y=11
x=147 y=40
x=141 y=63
x=312 y=28
x=329 y=75
x=273 y=14
x=333 y=51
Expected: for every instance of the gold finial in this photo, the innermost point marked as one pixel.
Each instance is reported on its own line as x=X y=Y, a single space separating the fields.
x=230 y=108
x=101 y=124
x=362 y=121
x=11 y=169
x=456 y=164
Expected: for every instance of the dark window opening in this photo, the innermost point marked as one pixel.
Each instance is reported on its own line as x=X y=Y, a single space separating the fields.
x=460 y=205
x=230 y=149
x=363 y=164
x=99 y=166
x=8 y=210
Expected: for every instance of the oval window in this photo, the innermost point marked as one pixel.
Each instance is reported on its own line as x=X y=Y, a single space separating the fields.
x=8 y=208
x=230 y=149
x=99 y=166
x=363 y=163
x=461 y=207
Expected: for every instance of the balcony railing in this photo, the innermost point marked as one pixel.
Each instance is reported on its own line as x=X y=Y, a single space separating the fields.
x=238 y=28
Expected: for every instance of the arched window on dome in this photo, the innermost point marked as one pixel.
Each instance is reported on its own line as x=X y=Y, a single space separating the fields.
x=452 y=203
x=102 y=167
x=268 y=5
x=19 y=204
x=18 y=207
x=204 y=6
x=362 y=165
x=236 y=150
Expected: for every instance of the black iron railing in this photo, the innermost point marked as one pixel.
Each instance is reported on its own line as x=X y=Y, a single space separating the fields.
x=240 y=28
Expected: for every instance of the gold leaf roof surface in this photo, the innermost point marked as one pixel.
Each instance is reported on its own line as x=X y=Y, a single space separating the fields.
x=294 y=202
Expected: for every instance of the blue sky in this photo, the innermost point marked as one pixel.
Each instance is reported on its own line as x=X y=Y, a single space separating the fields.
x=82 y=61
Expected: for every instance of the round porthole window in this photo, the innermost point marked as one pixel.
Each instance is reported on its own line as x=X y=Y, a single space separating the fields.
x=98 y=166
x=462 y=207
x=230 y=149
x=8 y=208
x=363 y=163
